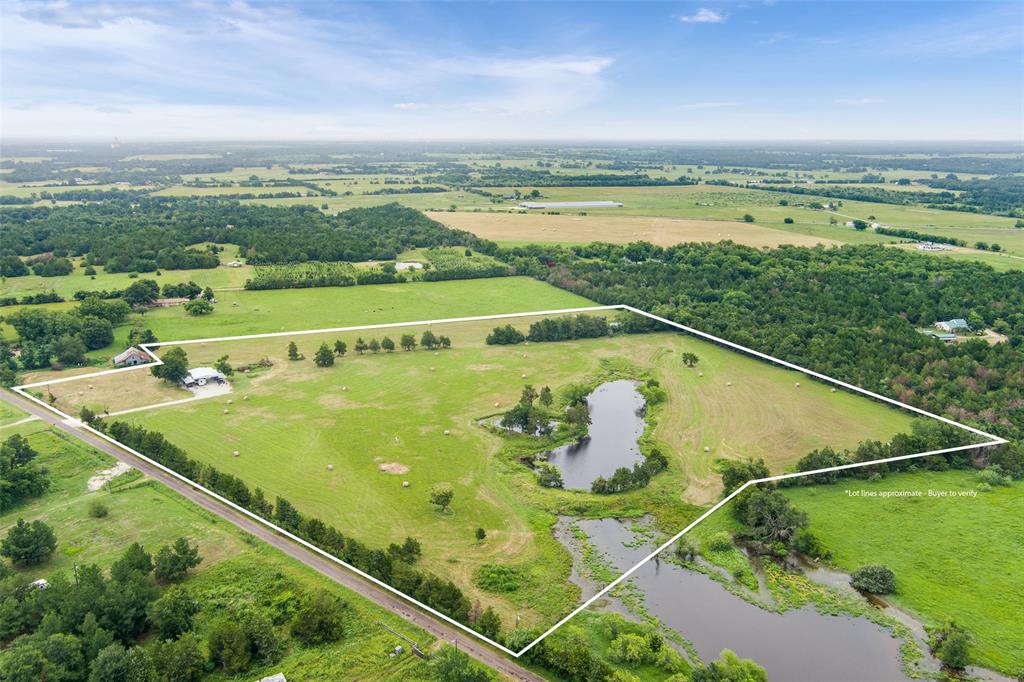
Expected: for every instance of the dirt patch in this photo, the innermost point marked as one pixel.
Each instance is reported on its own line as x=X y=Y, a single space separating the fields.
x=334 y=402
x=100 y=479
x=393 y=468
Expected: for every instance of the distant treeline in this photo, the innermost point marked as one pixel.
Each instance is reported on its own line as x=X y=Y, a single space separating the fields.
x=919 y=236
x=492 y=176
x=393 y=565
x=153 y=232
x=553 y=329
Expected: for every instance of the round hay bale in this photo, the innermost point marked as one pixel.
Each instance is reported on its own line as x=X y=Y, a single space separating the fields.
x=235 y=453
x=700 y=374
x=405 y=484
x=524 y=355
x=436 y=353
x=707 y=449
x=230 y=401
x=225 y=410
x=330 y=467
x=497 y=404
x=728 y=383
x=447 y=432
x=81 y=393
x=833 y=390
x=90 y=387
x=433 y=369
x=522 y=376
x=344 y=388
x=798 y=384
x=245 y=397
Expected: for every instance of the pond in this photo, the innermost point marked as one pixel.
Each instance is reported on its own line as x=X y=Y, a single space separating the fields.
x=800 y=644
x=616 y=424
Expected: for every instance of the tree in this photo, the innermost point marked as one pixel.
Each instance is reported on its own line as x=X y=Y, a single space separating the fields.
x=747 y=218
x=874 y=579
x=340 y=348
x=135 y=560
x=182 y=659
x=320 y=620
x=228 y=645
x=481 y=534
x=860 y=225
x=361 y=346
x=173 y=561
x=324 y=357
x=117 y=664
x=771 y=517
x=735 y=474
x=489 y=623
x=441 y=495
x=208 y=294
x=173 y=613
x=387 y=344
x=730 y=668
x=407 y=342
x=97 y=332
x=951 y=644
x=689 y=359
x=141 y=292
x=19 y=476
x=444 y=341
x=174 y=367
x=223 y=366
x=374 y=346
x=69 y=350
x=451 y=665
x=199 y=306
x=293 y=351
x=28 y=544
x=428 y=340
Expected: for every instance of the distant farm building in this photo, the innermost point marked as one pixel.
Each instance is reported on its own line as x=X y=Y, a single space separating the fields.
x=201 y=376
x=169 y=302
x=235 y=264
x=408 y=266
x=928 y=246
x=571 y=204
x=953 y=326
x=131 y=357
x=945 y=337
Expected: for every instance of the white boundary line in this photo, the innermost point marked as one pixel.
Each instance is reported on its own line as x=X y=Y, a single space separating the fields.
x=22 y=391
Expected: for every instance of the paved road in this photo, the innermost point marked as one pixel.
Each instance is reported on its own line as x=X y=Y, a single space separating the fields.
x=339 y=574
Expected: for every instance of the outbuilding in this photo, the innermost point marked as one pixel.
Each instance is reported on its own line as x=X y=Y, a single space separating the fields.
x=201 y=376
x=131 y=357
x=570 y=204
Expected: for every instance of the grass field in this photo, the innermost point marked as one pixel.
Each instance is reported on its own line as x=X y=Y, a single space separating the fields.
x=957 y=557
x=234 y=569
x=375 y=410
x=571 y=229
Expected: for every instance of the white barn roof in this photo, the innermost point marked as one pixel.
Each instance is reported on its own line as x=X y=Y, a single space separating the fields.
x=203 y=373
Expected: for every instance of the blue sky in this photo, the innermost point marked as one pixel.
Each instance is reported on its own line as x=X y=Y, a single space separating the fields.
x=505 y=70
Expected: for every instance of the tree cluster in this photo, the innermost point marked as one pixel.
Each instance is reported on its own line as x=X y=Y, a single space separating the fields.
x=20 y=477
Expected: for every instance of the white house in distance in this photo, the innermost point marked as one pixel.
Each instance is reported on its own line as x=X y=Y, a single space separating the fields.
x=411 y=265
x=570 y=204
x=131 y=357
x=201 y=376
x=953 y=326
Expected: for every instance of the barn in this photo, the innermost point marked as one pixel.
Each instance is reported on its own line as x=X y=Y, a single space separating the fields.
x=131 y=357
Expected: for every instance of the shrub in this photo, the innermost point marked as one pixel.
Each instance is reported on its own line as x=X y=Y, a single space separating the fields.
x=320 y=620
x=807 y=543
x=497 y=578
x=874 y=579
x=686 y=550
x=994 y=476
x=98 y=510
x=720 y=542
x=631 y=649
x=28 y=544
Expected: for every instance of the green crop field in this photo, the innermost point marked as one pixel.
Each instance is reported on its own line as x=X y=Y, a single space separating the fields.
x=392 y=411
x=234 y=569
x=956 y=557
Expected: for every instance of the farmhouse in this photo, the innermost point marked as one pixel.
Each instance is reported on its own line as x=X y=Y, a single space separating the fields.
x=235 y=264
x=200 y=376
x=169 y=302
x=131 y=357
x=953 y=326
x=400 y=266
x=571 y=204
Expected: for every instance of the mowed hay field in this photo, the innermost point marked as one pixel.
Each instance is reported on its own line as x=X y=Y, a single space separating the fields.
x=576 y=229
x=392 y=410
x=943 y=551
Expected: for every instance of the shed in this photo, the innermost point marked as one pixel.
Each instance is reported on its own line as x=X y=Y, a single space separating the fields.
x=200 y=376
x=131 y=357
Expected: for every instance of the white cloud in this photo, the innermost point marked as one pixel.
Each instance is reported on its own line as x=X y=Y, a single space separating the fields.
x=707 y=105
x=859 y=101
x=410 y=106
x=703 y=16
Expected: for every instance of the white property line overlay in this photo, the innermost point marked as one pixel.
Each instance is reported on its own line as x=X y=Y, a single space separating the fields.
x=22 y=391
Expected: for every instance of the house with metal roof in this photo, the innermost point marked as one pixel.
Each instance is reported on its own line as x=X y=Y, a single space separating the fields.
x=953 y=326
x=201 y=376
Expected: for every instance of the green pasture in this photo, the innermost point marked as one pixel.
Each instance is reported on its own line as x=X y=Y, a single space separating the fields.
x=954 y=557
x=393 y=410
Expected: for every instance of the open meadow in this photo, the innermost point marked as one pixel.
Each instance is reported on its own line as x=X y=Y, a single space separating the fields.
x=953 y=557
x=388 y=418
